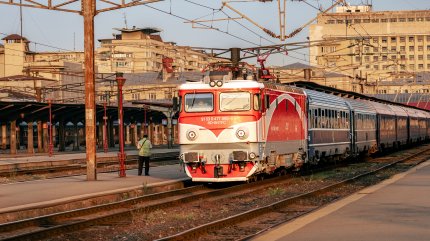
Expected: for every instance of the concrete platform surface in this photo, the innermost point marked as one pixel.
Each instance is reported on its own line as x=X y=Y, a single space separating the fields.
x=35 y=193
x=397 y=209
x=8 y=159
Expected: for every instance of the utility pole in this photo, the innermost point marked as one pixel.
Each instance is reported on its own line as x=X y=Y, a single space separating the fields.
x=89 y=12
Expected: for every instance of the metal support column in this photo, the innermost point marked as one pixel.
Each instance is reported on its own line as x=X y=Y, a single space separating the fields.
x=51 y=145
x=30 y=143
x=3 y=136
x=88 y=12
x=105 y=134
x=12 y=137
x=121 y=155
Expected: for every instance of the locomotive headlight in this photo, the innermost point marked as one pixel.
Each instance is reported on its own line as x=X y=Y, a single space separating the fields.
x=242 y=133
x=252 y=155
x=219 y=83
x=191 y=135
x=212 y=83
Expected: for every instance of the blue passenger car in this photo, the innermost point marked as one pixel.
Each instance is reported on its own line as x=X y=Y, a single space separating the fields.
x=328 y=127
x=363 y=127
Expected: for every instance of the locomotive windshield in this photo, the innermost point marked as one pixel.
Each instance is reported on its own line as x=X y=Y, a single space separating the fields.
x=199 y=102
x=235 y=101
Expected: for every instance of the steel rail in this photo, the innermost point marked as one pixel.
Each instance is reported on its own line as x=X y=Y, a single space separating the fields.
x=195 y=232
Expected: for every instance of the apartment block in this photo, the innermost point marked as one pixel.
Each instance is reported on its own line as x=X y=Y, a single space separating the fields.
x=372 y=47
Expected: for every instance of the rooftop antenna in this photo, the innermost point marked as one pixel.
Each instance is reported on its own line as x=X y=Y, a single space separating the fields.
x=125 y=20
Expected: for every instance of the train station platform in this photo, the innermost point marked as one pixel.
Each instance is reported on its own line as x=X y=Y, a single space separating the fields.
x=32 y=194
x=58 y=156
x=397 y=209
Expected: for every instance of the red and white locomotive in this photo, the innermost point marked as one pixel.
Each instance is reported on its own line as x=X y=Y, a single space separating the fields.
x=227 y=129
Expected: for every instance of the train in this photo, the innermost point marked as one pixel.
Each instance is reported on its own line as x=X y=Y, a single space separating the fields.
x=234 y=130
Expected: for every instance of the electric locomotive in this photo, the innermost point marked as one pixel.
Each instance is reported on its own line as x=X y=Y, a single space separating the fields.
x=234 y=130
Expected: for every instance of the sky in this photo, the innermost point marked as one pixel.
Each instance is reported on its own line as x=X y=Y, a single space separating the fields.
x=59 y=31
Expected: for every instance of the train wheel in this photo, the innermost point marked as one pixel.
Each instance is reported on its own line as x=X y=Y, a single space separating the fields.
x=252 y=179
x=261 y=177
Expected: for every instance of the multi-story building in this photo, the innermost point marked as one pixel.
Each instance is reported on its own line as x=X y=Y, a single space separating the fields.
x=2 y=60
x=140 y=50
x=13 y=55
x=133 y=51
x=373 y=47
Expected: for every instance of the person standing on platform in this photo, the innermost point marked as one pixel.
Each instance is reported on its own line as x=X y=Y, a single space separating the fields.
x=144 y=146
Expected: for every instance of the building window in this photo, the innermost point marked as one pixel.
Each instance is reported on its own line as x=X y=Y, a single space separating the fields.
x=121 y=64
x=428 y=66
x=393 y=20
x=411 y=19
x=428 y=47
x=428 y=38
x=330 y=21
x=428 y=19
x=384 y=39
x=384 y=49
x=376 y=67
x=428 y=56
x=420 y=48
x=402 y=39
x=411 y=57
x=357 y=20
x=375 y=20
x=135 y=96
x=420 y=66
x=384 y=20
x=375 y=58
x=339 y=21
x=393 y=39
x=420 y=57
x=357 y=58
x=402 y=67
x=420 y=38
x=168 y=95
x=366 y=58
x=152 y=96
x=420 y=19
x=411 y=39
x=375 y=40
x=411 y=66
x=366 y=20
x=402 y=57
x=384 y=58
x=402 y=20
x=393 y=48
x=393 y=57
x=402 y=48
x=375 y=49
x=411 y=48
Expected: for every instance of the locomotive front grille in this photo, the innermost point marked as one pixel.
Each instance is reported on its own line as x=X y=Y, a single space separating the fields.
x=191 y=157
x=240 y=155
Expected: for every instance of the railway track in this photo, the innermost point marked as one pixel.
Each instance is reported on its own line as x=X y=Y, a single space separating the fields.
x=52 y=225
